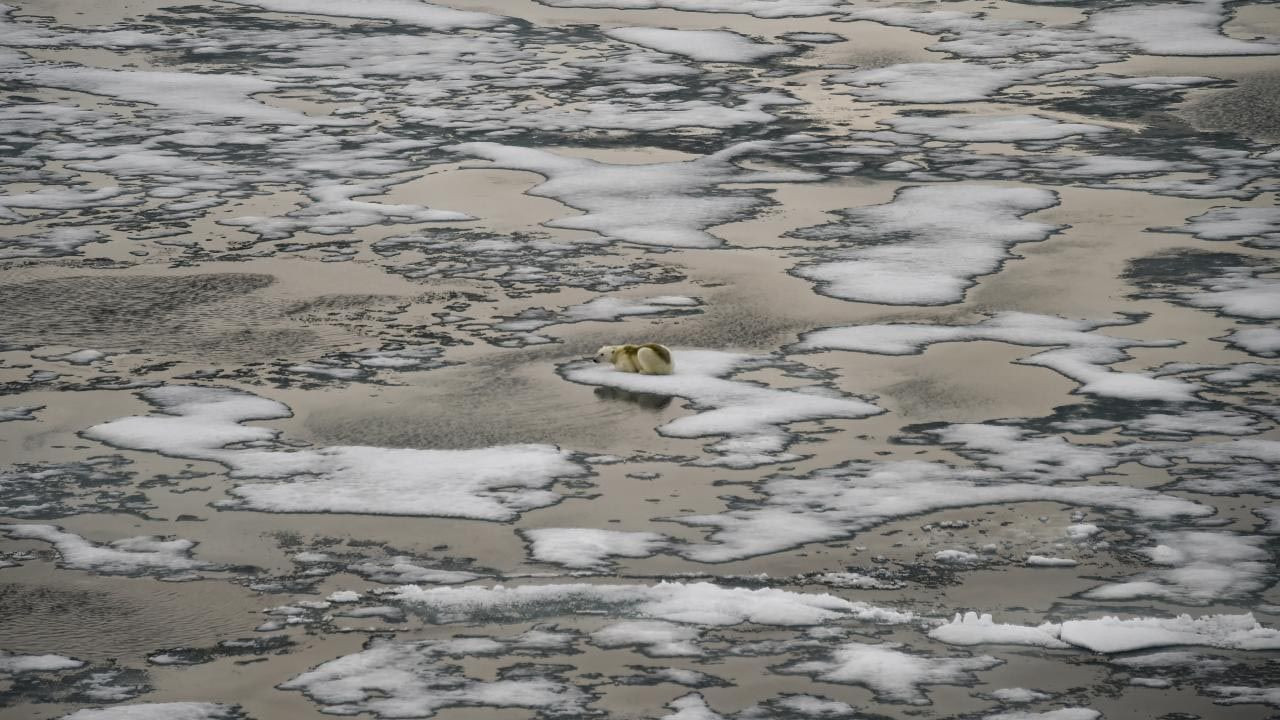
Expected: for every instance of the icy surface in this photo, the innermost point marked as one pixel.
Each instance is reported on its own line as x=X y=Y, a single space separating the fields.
x=892 y=674
x=955 y=234
x=199 y=423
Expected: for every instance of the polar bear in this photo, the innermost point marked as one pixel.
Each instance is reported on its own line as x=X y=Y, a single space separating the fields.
x=646 y=359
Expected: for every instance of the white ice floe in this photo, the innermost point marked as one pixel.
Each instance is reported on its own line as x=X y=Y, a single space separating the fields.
x=606 y=308
x=25 y=412
x=1244 y=695
x=701 y=45
x=1182 y=29
x=810 y=706
x=343 y=596
x=667 y=204
x=948 y=82
x=836 y=503
x=692 y=706
x=1198 y=568
x=135 y=555
x=1264 y=342
x=990 y=128
x=655 y=638
x=1113 y=635
x=159 y=711
x=333 y=211
x=758 y=8
x=14 y=663
x=416 y=679
x=1239 y=292
x=750 y=416
x=50 y=198
x=890 y=673
x=1257 y=226
x=1072 y=713
x=76 y=357
x=957 y=557
x=927 y=246
x=590 y=548
x=1045 y=561
x=54 y=242
x=974 y=629
x=402 y=570
x=701 y=603
x=221 y=95
x=403 y=12
x=199 y=423
x=1019 y=695
x=1084 y=355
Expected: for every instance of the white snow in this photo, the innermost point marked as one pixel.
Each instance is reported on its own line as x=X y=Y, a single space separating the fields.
x=654 y=637
x=590 y=548
x=666 y=204
x=991 y=128
x=55 y=242
x=1200 y=568
x=1074 y=713
x=1181 y=29
x=752 y=416
x=142 y=554
x=1083 y=357
x=1241 y=695
x=974 y=629
x=890 y=673
x=702 y=603
x=1045 y=561
x=405 y=12
x=158 y=711
x=700 y=45
x=947 y=82
x=415 y=679
x=836 y=503
x=199 y=423
x=14 y=663
x=401 y=570
x=1113 y=635
x=927 y=246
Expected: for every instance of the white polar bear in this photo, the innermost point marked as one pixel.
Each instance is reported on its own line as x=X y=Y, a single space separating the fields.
x=646 y=359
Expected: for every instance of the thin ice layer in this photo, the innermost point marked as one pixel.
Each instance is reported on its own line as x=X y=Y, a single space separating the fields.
x=200 y=423
x=927 y=246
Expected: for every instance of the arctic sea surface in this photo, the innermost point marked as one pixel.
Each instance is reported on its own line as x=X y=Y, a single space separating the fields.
x=974 y=305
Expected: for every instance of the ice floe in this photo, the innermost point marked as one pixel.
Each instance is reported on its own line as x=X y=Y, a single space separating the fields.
x=55 y=242
x=837 y=503
x=590 y=548
x=14 y=663
x=1183 y=29
x=974 y=629
x=943 y=237
x=701 y=45
x=415 y=679
x=655 y=638
x=142 y=555
x=1113 y=635
x=1084 y=355
x=892 y=674
x=160 y=711
x=1199 y=568
x=666 y=204
x=407 y=12
x=702 y=603
x=200 y=423
x=750 y=415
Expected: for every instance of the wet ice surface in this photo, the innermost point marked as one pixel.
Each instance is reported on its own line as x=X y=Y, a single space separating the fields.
x=974 y=318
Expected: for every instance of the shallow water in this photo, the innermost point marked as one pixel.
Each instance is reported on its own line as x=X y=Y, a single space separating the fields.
x=972 y=306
